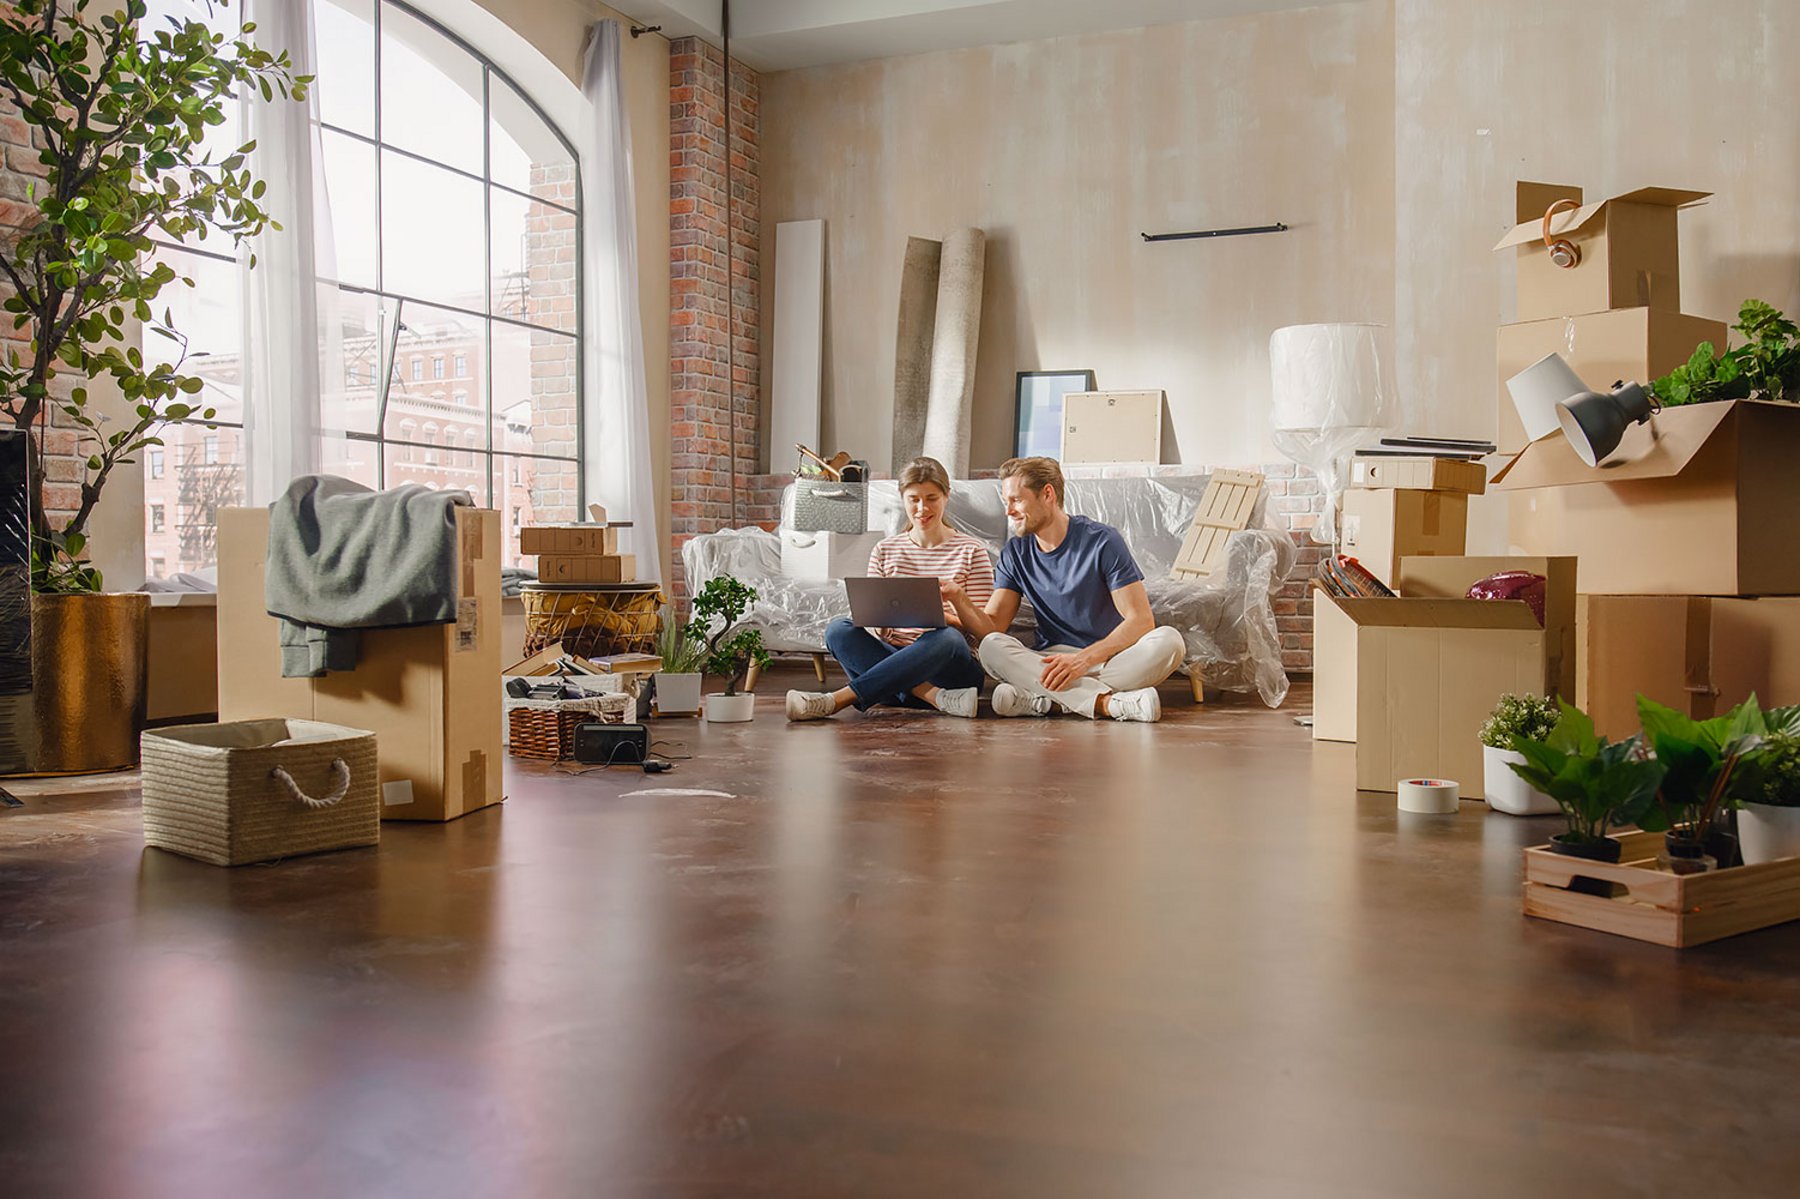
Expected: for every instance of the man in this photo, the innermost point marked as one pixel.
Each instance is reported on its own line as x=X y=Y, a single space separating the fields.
x=1098 y=651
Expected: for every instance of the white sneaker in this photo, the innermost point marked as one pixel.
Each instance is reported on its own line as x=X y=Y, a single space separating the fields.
x=810 y=705
x=1143 y=704
x=1008 y=700
x=959 y=702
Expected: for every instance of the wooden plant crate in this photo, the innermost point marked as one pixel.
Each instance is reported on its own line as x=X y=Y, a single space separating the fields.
x=1676 y=910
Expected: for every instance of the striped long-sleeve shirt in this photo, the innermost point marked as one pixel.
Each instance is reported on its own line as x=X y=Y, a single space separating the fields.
x=961 y=559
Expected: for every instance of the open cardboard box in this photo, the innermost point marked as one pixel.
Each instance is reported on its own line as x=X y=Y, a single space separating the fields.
x=1630 y=254
x=1635 y=344
x=430 y=694
x=1411 y=680
x=1701 y=655
x=1696 y=502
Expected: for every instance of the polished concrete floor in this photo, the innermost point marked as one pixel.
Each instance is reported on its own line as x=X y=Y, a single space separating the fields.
x=892 y=955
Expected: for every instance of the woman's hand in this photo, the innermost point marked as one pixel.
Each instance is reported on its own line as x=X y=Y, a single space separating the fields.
x=951 y=591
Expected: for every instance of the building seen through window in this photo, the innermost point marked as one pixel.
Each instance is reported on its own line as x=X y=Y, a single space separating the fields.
x=453 y=237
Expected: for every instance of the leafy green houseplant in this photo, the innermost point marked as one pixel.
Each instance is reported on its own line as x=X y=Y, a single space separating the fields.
x=730 y=650
x=1703 y=761
x=1769 y=816
x=1765 y=367
x=121 y=113
x=1531 y=717
x=683 y=652
x=1599 y=785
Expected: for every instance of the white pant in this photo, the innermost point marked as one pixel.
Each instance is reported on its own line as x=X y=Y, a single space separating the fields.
x=1155 y=656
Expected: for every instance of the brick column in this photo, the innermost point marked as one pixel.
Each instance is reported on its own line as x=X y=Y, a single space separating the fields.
x=714 y=419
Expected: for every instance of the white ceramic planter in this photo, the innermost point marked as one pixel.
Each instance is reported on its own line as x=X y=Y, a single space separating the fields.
x=1506 y=791
x=677 y=694
x=1766 y=832
x=730 y=709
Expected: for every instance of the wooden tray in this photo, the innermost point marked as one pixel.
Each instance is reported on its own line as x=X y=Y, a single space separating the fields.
x=1677 y=910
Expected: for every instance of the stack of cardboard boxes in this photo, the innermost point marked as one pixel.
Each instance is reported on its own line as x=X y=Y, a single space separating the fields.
x=1682 y=534
x=1617 y=313
x=1405 y=507
x=578 y=554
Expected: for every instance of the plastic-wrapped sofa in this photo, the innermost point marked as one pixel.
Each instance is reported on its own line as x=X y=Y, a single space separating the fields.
x=1227 y=620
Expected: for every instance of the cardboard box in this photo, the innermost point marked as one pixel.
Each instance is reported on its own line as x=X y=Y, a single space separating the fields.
x=1701 y=655
x=1112 y=426
x=1639 y=344
x=824 y=555
x=1380 y=527
x=569 y=539
x=1630 y=255
x=587 y=568
x=1421 y=473
x=1410 y=680
x=430 y=694
x=1694 y=503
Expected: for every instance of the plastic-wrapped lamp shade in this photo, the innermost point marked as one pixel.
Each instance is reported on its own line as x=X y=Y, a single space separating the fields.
x=1333 y=389
x=1333 y=377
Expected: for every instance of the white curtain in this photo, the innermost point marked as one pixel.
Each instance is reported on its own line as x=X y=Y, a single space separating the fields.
x=281 y=336
x=619 y=470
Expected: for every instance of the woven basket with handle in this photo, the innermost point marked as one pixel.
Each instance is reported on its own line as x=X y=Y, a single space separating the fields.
x=545 y=729
x=254 y=790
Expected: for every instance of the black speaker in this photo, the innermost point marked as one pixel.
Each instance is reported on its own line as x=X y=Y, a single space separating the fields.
x=611 y=744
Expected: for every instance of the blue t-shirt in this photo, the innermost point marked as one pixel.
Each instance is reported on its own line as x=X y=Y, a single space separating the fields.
x=1070 y=588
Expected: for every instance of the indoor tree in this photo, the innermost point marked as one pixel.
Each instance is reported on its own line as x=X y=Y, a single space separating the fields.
x=120 y=108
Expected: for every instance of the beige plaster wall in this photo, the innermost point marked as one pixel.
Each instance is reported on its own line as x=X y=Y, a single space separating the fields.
x=1063 y=151
x=558 y=29
x=1608 y=94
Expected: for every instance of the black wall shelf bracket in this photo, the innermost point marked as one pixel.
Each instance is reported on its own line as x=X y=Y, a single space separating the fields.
x=1277 y=227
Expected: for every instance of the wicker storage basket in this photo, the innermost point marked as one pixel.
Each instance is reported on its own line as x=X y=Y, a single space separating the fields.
x=253 y=790
x=593 y=622
x=545 y=728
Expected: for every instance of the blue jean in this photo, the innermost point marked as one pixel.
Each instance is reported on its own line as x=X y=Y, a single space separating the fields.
x=885 y=674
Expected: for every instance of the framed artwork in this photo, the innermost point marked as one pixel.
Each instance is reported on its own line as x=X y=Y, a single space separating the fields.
x=1038 y=410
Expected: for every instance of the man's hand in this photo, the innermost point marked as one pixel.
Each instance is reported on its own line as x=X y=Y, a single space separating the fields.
x=1061 y=670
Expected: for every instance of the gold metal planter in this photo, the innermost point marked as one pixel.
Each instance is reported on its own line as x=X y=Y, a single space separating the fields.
x=89 y=677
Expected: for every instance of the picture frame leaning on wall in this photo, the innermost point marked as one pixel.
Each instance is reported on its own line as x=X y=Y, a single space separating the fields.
x=1038 y=409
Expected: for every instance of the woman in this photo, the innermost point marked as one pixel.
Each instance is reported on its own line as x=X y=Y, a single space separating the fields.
x=911 y=667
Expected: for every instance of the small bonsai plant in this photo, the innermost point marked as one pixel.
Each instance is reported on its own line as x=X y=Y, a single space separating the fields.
x=729 y=655
x=1701 y=761
x=1599 y=785
x=1765 y=367
x=1529 y=716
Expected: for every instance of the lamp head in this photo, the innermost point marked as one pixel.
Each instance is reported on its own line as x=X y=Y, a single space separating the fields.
x=1595 y=422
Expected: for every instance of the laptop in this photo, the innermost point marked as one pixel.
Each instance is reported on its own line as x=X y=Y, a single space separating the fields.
x=899 y=603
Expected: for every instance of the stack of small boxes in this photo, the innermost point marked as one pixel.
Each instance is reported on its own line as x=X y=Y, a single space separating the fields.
x=579 y=554
x=1407 y=507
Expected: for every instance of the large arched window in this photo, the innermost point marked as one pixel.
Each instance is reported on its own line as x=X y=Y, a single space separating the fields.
x=451 y=245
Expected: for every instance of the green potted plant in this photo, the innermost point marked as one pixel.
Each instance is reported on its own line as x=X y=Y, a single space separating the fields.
x=1599 y=785
x=1765 y=367
x=1701 y=761
x=1531 y=717
x=730 y=651
x=1769 y=821
x=120 y=114
x=683 y=655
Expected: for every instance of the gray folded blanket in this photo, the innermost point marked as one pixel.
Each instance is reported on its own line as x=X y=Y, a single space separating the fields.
x=343 y=558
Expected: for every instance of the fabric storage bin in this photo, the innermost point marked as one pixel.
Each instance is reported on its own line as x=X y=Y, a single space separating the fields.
x=828 y=505
x=253 y=790
x=545 y=728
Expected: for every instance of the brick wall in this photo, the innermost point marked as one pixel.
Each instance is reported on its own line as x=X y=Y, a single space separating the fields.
x=19 y=168
x=713 y=418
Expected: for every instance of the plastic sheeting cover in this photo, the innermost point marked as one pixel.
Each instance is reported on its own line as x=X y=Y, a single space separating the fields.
x=1228 y=621
x=1332 y=389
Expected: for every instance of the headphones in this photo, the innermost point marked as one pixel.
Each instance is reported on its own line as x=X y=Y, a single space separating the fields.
x=1563 y=252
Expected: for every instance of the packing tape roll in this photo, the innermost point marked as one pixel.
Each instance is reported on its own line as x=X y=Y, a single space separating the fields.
x=1434 y=797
